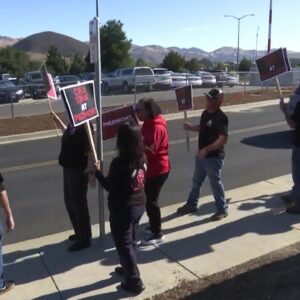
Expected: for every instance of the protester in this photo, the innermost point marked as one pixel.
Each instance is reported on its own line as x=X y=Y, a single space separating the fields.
x=213 y=133
x=73 y=158
x=291 y=112
x=156 y=144
x=10 y=224
x=126 y=201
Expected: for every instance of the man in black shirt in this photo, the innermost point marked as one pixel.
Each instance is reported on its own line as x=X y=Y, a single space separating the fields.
x=213 y=132
x=292 y=114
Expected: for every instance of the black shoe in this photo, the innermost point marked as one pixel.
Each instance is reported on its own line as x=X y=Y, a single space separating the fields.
x=8 y=285
x=219 y=216
x=80 y=245
x=119 y=271
x=134 y=288
x=73 y=238
x=288 y=199
x=293 y=209
x=185 y=209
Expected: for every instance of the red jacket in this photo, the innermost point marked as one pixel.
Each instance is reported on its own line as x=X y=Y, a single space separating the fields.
x=156 y=143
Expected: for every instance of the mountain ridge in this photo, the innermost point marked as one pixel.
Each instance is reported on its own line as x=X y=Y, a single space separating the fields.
x=39 y=43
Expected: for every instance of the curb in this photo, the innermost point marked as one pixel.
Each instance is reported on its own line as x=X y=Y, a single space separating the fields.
x=169 y=117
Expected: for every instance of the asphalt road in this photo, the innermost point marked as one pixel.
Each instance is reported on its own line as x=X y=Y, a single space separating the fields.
x=258 y=149
x=29 y=107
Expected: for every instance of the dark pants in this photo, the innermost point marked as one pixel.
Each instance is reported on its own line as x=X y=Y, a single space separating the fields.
x=123 y=224
x=75 y=194
x=152 y=189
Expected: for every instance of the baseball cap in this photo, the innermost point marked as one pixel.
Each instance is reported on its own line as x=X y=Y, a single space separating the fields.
x=214 y=93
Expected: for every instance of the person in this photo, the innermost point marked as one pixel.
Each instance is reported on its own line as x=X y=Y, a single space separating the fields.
x=10 y=224
x=156 y=144
x=126 y=201
x=73 y=158
x=213 y=135
x=291 y=112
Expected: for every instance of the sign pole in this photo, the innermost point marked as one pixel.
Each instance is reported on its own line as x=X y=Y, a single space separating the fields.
x=99 y=128
x=187 y=133
x=91 y=141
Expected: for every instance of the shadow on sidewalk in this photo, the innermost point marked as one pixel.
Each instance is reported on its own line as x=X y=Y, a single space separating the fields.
x=274 y=140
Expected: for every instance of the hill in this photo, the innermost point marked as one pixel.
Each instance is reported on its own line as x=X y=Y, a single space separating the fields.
x=40 y=43
x=7 y=41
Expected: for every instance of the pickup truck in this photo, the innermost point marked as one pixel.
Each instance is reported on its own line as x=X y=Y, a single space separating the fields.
x=33 y=85
x=129 y=79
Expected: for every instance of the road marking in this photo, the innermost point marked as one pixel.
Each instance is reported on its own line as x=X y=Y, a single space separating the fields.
x=113 y=152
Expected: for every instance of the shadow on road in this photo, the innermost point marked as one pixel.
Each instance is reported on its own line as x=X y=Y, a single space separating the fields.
x=275 y=140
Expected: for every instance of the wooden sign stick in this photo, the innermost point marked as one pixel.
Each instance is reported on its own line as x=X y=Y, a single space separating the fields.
x=91 y=141
x=187 y=133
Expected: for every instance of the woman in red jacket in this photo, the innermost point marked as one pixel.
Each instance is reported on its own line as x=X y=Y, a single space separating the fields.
x=156 y=144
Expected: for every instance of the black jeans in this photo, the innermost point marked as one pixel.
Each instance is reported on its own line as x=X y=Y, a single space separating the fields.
x=123 y=223
x=152 y=189
x=75 y=194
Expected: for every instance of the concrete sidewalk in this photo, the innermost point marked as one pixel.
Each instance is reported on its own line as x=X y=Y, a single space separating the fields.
x=194 y=247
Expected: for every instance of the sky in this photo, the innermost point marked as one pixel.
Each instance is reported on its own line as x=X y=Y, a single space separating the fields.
x=168 y=23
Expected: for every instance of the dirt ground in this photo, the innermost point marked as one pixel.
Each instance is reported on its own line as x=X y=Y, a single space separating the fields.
x=273 y=276
x=20 y=125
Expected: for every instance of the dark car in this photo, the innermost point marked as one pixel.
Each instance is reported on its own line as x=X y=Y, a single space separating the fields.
x=9 y=92
x=65 y=80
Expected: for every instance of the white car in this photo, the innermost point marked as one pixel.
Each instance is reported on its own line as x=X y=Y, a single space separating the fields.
x=163 y=78
x=178 y=80
x=193 y=80
x=208 y=79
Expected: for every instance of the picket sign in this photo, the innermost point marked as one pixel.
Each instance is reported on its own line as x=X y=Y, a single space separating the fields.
x=184 y=96
x=81 y=107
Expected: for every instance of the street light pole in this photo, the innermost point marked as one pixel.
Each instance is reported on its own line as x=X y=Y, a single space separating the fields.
x=238 y=42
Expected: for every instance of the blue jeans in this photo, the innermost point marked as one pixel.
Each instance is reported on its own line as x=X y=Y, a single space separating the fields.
x=296 y=174
x=1 y=261
x=210 y=167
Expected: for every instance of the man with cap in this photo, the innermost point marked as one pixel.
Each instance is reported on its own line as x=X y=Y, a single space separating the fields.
x=213 y=134
x=291 y=112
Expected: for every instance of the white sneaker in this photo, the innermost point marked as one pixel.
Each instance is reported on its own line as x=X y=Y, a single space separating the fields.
x=153 y=239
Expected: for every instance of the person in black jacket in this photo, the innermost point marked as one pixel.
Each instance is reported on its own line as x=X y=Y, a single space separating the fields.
x=126 y=201
x=73 y=158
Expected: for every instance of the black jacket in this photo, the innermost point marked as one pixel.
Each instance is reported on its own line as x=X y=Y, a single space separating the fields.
x=124 y=183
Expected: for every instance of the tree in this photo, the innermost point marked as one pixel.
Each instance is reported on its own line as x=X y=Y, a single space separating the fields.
x=14 y=61
x=142 y=63
x=173 y=61
x=206 y=63
x=78 y=65
x=245 y=65
x=114 y=47
x=193 y=65
x=55 y=62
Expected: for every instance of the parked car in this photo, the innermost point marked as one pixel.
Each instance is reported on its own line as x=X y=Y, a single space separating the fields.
x=87 y=76
x=5 y=76
x=128 y=79
x=33 y=85
x=225 y=79
x=208 y=79
x=163 y=79
x=9 y=92
x=65 y=80
x=193 y=80
x=178 y=80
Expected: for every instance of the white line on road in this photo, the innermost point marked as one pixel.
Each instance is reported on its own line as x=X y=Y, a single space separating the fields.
x=113 y=152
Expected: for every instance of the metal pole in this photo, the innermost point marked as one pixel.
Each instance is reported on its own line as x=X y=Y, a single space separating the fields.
x=270 y=27
x=97 y=9
x=99 y=141
x=238 y=46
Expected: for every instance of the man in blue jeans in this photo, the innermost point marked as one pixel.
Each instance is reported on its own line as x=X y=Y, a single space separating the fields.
x=213 y=133
x=10 y=224
x=291 y=112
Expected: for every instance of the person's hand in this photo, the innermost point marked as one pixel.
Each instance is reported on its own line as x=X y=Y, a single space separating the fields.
x=202 y=153
x=282 y=105
x=10 y=223
x=97 y=165
x=187 y=126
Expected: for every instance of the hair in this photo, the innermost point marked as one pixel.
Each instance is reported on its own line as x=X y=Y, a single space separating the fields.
x=150 y=106
x=130 y=143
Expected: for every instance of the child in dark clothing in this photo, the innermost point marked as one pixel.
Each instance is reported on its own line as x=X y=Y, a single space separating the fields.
x=126 y=200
